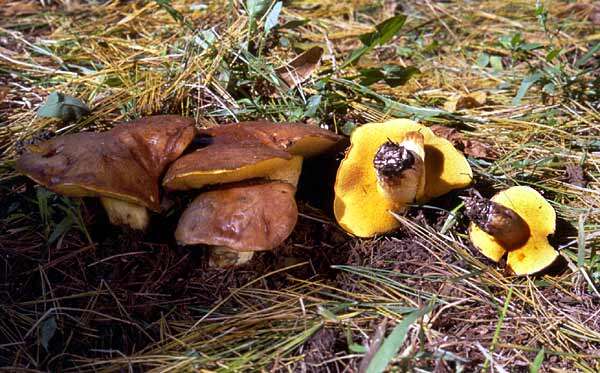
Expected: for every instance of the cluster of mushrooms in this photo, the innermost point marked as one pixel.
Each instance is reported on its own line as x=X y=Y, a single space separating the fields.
x=246 y=175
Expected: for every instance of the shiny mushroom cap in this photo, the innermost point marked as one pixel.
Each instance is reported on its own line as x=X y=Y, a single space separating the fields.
x=531 y=254
x=360 y=205
x=244 y=218
x=296 y=138
x=124 y=163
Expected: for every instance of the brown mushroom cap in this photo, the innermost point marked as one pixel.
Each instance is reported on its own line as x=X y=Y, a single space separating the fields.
x=296 y=138
x=221 y=163
x=124 y=163
x=246 y=218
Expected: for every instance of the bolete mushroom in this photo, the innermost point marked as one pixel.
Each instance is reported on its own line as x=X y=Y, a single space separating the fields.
x=121 y=166
x=248 y=150
x=221 y=163
x=389 y=166
x=517 y=220
x=239 y=220
x=298 y=139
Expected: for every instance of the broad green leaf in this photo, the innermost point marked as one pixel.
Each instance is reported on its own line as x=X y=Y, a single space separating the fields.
x=356 y=54
x=530 y=46
x=581 y=241
x=166 y=5
x=505 y=41
x=205 y=38
x=483 y=60
x=273 y=17
x=257 y=8
x=384 y=31
x=516 y=39
x=48 y=328
x=391 y=74
x=348 y=128
x=326 y=314
x=313 y=105
x=391 y=345
x=64 y=107
x=586 y=57
x=549 y=88
x=355 y=348
x=527 y=82
x=496 y=63
x=382 y=34
x=553 y=54
x=371 y=75
x=537 y=363
x=294 y=23
x=61 y=228
x=398 y=75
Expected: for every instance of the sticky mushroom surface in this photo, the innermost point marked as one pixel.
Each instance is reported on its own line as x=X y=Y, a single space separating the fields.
x=240 y=218
x=122 y=164
x=296 y=138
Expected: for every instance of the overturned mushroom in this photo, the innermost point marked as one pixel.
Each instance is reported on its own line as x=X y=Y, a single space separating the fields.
x=239 y=220
x=389 y=166
x=121 y=166
x=517 y=220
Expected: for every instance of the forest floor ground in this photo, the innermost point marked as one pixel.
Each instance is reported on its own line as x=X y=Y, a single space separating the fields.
x=514 y=85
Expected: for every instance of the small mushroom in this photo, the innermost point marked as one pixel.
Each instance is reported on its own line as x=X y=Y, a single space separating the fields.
x=248 y=150
x=121 y=166
x=239 y=220
x=389 y=166
x=517 y=220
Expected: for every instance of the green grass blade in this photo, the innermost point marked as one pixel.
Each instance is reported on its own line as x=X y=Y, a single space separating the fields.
x=391 y=345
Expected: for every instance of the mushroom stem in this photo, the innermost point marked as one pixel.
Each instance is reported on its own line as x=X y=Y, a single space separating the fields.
x=225 y=257
x=290 y=173
x=504 y=224
x=126 y=213
x=400 y=169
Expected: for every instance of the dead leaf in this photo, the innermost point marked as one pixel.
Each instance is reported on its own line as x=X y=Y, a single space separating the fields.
x=465 y=101
x=473 y=148
x=591 y=11
x=478 y=149
x=7 y=52
x=300 y=68
x=20 y=8
x=3 y=93
x=576 y=175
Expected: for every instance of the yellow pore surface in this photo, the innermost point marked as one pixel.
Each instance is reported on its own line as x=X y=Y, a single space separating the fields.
x=537 y=253
x=310 y=146
x=81 y=190
x=201 y=178
x=359 y=206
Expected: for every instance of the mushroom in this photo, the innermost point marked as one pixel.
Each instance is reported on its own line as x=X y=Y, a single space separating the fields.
x=221 y=163
x=121 y=166
x=517 y=220
x=239 y=220
x=298 y=139
x=248 y=150
x=389 y=166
